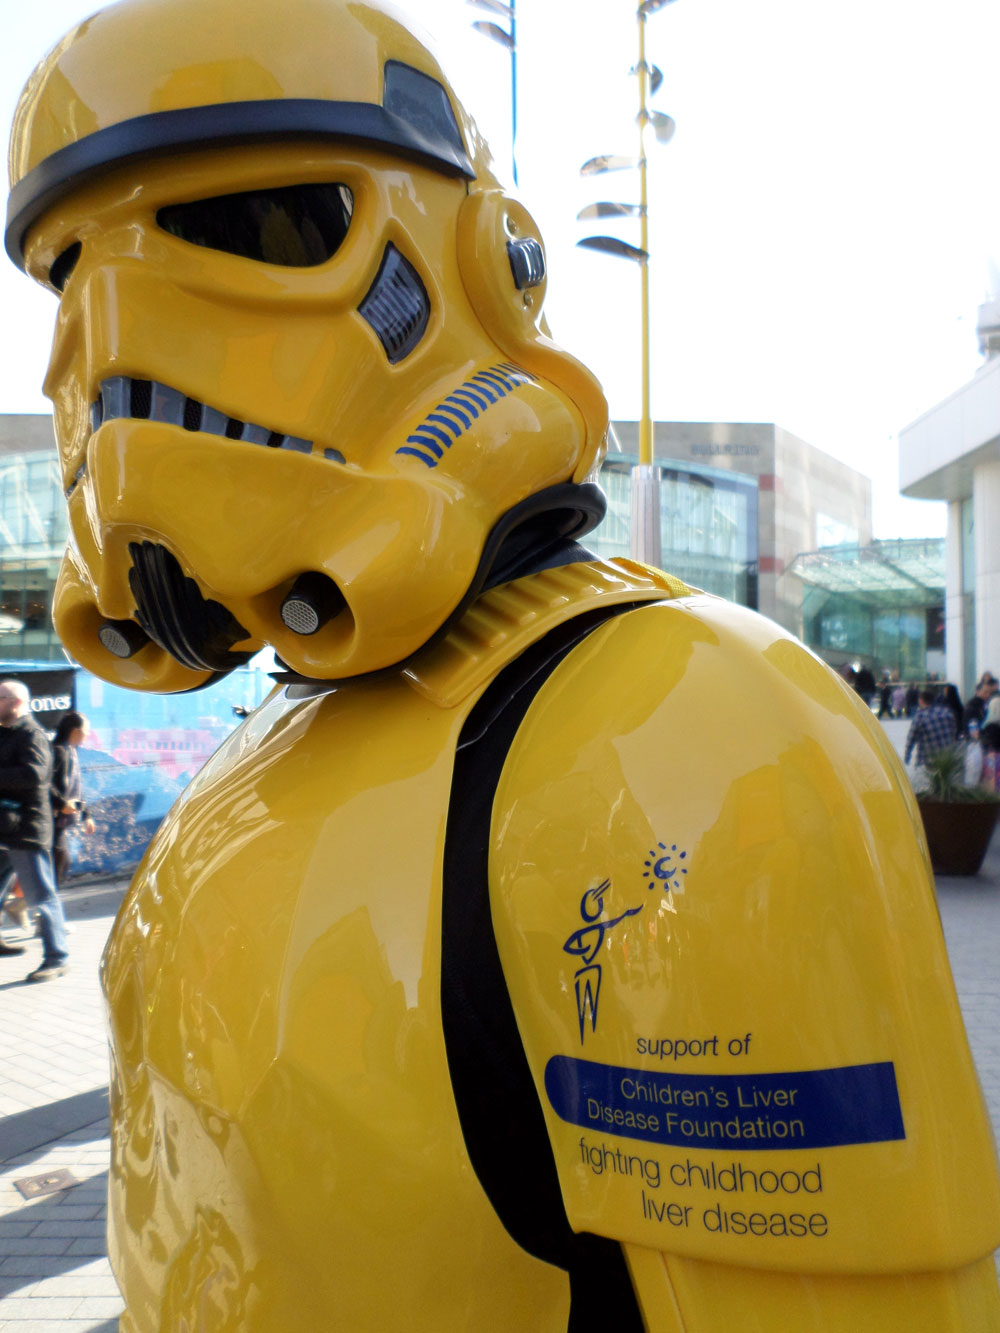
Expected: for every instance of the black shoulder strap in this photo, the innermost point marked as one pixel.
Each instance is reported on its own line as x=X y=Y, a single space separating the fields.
x=498 y=1107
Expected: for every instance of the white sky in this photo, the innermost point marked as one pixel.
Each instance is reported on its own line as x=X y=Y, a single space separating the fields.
x=821 y=224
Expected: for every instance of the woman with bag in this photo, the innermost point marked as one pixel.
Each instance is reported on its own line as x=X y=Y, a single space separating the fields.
x=67 y=788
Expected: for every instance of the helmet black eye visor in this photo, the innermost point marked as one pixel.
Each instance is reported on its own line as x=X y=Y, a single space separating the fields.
x=415 y=119
x=297 y=226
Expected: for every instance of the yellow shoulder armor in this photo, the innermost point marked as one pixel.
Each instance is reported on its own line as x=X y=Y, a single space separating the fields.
x=716 y=919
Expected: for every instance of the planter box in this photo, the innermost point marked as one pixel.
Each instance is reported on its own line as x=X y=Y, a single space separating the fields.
x=958 y=833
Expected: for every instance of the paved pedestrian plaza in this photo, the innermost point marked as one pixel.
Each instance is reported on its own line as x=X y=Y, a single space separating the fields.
x=54 y=1274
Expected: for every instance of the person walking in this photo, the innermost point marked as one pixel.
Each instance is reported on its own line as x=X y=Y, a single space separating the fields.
x=26 y=821
x=975 y=709
x=933 y=729
x=68 y=809
x=864 y=683
x=990 y=732
x=885 y=696
x=951 y=699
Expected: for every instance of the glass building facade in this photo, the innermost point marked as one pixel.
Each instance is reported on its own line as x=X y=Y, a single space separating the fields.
x=708 y=524
x=33 y=529
x=881 y=604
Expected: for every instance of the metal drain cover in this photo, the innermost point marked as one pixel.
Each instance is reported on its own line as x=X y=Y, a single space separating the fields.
x=50 y=1183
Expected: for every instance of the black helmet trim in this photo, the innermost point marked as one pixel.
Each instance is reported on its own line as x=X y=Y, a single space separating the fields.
x=416 y=119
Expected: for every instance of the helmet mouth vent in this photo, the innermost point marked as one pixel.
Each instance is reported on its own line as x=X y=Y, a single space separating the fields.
x=196 y=631
x=141 y=399
x=191 y=419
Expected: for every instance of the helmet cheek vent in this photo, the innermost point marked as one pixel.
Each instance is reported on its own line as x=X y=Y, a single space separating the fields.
x=396 y=305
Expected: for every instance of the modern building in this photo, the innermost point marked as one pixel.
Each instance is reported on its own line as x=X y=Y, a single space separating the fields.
x=738 y=503
x=880 y=605
x=952 y=453
x=33 y=530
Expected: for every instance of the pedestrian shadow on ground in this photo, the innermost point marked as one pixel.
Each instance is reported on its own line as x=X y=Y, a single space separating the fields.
x=39 y=1126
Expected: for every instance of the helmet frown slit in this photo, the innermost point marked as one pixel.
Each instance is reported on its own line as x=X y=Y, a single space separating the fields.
x=124 y=398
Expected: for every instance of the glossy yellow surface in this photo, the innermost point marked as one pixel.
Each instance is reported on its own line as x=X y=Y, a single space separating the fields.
x=286 y=1149
x=248 y=50
x=760 y=906
x=700 y=839
x=283 y=348
x=285 y=1140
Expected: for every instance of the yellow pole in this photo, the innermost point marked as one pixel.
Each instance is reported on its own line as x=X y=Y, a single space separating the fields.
x=645 y=420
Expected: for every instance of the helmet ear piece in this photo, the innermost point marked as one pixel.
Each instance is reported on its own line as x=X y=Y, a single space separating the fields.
x=527 y=262
x=502 y=263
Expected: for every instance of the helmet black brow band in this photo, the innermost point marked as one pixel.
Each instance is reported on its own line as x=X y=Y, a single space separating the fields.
x=412 y=123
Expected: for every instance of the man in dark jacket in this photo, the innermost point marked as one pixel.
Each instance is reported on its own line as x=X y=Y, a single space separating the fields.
x=975 y=709
x=26 y=820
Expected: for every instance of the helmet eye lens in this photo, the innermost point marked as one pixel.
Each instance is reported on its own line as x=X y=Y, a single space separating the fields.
x=297 y=226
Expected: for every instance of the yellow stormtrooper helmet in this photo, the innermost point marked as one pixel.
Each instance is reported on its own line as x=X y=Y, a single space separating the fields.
x=303 y=391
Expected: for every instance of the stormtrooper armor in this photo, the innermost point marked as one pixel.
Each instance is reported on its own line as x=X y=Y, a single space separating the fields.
x=484 y=979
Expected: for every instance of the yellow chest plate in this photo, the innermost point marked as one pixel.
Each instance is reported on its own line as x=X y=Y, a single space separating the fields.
x=286 y=1138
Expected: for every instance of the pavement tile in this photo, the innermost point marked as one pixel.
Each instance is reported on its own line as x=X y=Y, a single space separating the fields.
x=12 y=1230
x=37 y=1307
x=54 y=1272
x=32 y=1265
x=87 y=1324
x=99 y=1307
x=92 y=1227
x=83 y=1284
x=34 y=1244
x=15 y=1286
x=50 y=1212
x=89 y=1245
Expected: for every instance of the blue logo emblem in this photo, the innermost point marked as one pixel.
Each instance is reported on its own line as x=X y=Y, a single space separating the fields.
x=665 y=867
x=585 y=944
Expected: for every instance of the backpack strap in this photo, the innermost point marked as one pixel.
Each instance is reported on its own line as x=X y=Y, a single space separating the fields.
x=498 y=1106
